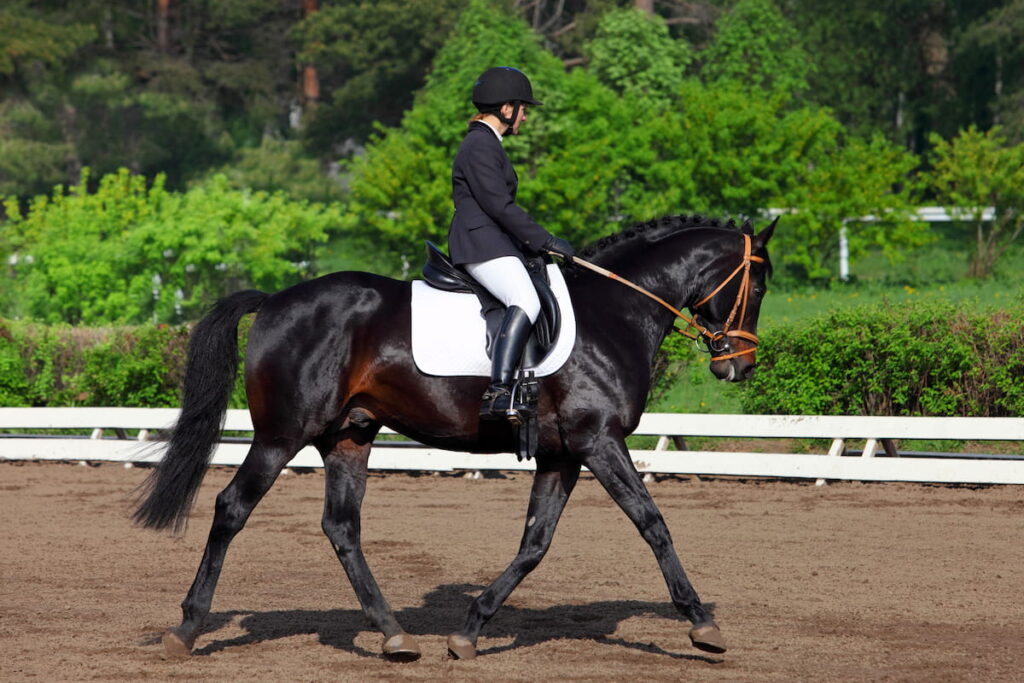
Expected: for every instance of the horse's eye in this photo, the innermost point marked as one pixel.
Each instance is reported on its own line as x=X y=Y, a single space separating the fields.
x=759 y=291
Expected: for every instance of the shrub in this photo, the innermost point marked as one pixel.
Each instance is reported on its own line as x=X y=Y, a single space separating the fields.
x=123 y=366
x=924 y=359
x=130 y=251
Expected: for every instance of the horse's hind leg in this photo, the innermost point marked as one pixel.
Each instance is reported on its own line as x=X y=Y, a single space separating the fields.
x=612 y=466
x=345 y=468
x=234 y=504
x=551 y=488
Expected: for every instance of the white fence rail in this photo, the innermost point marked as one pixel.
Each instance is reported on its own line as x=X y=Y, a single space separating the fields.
x=867 y=465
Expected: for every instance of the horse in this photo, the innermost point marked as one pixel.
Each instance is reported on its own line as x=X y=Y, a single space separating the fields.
x=329 y=362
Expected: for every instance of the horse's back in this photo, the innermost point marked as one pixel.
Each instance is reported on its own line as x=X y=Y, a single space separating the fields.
x=309 y=341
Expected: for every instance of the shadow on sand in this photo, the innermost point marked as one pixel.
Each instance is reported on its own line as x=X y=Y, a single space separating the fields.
x=442 y=613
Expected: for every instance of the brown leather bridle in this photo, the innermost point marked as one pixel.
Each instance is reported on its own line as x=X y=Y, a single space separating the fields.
x=739 y=306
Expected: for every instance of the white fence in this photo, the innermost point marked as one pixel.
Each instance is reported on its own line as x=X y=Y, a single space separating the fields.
x=868 y=464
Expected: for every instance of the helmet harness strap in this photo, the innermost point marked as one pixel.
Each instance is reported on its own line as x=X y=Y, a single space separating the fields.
x=509 y=121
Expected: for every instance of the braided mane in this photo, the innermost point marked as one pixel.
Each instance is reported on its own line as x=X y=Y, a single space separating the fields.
x=654 y=229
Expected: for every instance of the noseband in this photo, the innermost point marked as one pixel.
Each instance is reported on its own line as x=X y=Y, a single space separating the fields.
x=740 y=305
x=714 y=339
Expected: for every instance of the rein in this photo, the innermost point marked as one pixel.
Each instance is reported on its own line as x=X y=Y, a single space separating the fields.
x=713 y=337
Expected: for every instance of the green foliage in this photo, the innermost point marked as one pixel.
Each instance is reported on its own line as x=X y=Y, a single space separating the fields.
x=25 y=39
x=129 y=253
x=633 y=53
x=62 y=366
x=32 y=153
x=755 y=45
x=111 y=96
x=279 y=165
x=401 y=188
x=860 y=179
x=991 y=47
x=606 y=160
x=976 y=170
x=756 y=151
x=601 y=154
x=924 y=359
x=371 y=57
x=100 y=366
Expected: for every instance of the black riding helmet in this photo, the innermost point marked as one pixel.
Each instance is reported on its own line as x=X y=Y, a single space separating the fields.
x=499 y=85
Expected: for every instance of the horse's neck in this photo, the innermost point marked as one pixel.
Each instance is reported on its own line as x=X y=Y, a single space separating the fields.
x=669 y=271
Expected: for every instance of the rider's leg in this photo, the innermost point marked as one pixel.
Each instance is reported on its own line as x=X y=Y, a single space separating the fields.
x=506 y=278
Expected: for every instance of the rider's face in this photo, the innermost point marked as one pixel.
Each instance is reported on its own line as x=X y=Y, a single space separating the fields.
x=506 y=111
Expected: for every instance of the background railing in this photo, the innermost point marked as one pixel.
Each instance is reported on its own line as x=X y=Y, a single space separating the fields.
x=878 y=459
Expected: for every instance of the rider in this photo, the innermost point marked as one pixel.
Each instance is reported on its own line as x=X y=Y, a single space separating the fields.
x=489 y=232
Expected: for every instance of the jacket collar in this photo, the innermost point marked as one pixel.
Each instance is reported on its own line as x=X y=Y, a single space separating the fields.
x=487 y=126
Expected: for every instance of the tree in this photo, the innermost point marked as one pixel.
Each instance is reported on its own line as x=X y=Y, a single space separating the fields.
x=865 y=188
x=976 y=170
x=633 y=53
x=753 y=150
x=994 y=46
x=755 y=45
x=158 y=87
x=903 y=67
x=36 y=149
x=371 y=58
x=593 y=159
x=401 y=188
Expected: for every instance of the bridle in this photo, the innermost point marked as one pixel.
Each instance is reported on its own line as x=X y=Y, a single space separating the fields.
x=715 y=340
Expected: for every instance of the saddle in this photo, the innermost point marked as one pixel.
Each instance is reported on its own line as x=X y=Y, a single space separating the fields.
x=440 y=272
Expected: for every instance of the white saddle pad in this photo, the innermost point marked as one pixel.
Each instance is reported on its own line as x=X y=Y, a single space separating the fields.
x=449 y=335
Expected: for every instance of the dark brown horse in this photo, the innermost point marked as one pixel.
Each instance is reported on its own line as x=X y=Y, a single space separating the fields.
x=329 y=362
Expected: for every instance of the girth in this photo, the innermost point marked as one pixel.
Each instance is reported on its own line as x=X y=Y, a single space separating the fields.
x=440 y=272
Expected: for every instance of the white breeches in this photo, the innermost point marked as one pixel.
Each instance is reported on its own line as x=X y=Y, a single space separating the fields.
x=507 y=279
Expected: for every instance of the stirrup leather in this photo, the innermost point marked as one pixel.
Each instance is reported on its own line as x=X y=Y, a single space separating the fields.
x=517 y=403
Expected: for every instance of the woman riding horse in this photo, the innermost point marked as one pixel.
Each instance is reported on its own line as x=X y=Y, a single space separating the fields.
x=489 y=232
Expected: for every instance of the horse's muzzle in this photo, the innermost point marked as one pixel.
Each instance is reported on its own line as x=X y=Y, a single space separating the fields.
x=734 y=369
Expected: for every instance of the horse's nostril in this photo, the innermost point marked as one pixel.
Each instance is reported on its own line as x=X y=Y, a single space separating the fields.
x=748 y=371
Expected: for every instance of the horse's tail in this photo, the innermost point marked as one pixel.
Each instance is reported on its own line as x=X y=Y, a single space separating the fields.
x=169 y=490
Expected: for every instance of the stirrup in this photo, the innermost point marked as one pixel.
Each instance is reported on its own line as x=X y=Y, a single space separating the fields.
x=496 y=402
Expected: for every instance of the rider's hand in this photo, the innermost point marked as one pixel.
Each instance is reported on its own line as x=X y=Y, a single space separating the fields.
x=560 y=247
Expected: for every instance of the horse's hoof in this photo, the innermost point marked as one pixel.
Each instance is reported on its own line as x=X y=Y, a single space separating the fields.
x=707 y=637
x=460 y=647
x=176 y=647
x=401 y=648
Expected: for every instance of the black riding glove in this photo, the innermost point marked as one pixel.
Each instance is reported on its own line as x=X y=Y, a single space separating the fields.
x=560 y=247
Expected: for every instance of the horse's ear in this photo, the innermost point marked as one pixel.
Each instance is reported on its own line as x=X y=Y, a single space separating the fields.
x=761 y=239
x=747 y=228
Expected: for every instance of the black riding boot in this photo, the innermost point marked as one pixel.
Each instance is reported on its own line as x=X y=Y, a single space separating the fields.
x=508 y=351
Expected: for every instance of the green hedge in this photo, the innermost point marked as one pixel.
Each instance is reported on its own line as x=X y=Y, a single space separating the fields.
x=925 y=359
x=61 y=365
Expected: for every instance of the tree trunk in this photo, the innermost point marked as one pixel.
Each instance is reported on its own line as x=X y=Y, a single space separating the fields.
x=998 y=89
x=68 y=122
x=934 y=46
x=645 y=5
x=163 y=10
x=310 y=78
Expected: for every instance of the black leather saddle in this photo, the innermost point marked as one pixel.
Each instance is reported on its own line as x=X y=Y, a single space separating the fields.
x=441 y=273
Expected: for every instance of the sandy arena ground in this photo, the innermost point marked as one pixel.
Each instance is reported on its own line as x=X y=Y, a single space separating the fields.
x=847 y=582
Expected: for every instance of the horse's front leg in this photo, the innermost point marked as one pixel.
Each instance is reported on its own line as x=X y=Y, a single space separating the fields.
x=345 y=468
x=552 y=485
x=611 y=465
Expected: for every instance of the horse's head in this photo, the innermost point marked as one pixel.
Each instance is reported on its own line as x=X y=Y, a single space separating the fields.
x=728 y=311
